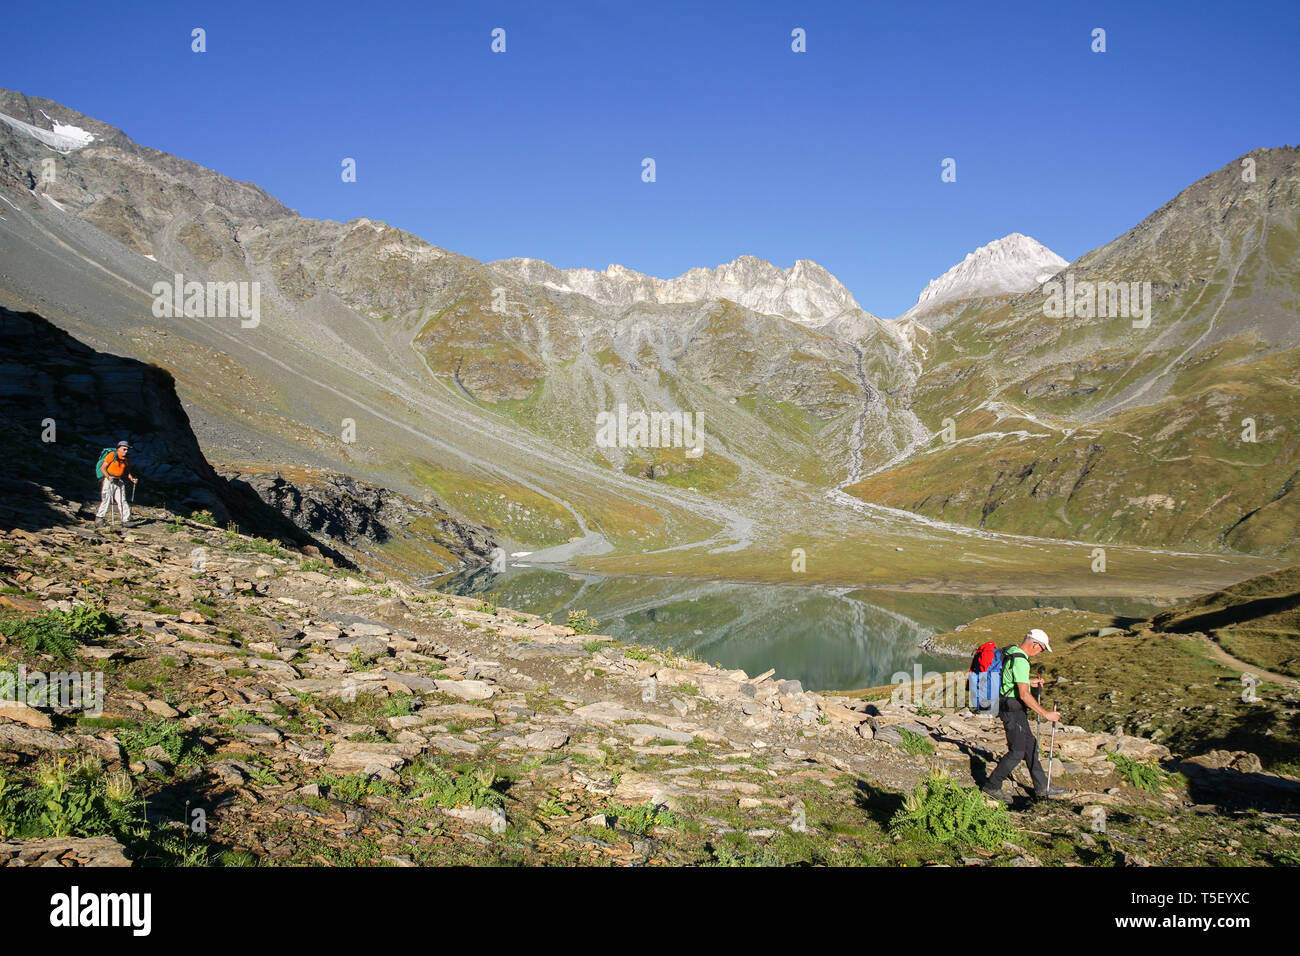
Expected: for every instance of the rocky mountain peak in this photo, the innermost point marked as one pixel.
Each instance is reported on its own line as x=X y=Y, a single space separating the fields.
x=805 y=292
x=1014 y=263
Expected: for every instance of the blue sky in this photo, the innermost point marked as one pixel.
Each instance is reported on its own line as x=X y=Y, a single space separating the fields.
x=832 y=155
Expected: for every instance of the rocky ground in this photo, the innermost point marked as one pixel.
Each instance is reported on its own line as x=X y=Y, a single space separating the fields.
x=265 y=708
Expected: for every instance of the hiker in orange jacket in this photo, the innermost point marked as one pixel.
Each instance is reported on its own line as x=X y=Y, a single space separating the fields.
x=117 y=470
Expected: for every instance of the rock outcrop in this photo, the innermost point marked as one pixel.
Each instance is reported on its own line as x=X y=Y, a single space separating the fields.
x=363 y=516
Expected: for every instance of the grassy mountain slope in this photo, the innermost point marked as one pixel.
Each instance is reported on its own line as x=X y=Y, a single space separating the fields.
x=1182 y=433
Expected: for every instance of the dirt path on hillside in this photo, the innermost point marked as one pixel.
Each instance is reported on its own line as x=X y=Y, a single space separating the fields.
x=1221 y=655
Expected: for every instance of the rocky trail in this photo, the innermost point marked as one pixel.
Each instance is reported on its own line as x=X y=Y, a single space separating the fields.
x=306 y=715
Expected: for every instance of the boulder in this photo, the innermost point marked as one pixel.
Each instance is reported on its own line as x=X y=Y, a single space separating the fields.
x=349 y=757
x=466 y=689
x=606 y=712
x=64 y=851
x=368 y=647
x=645 y=733
x=22 y=714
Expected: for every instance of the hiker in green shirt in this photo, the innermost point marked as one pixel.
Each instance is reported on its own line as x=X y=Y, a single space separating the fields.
x=1013 y=709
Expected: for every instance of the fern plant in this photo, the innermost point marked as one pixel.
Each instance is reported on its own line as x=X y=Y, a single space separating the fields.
x=439 y=787
x=59 y=633
x=1143 y=774
x=582 y=623
x=940 y=811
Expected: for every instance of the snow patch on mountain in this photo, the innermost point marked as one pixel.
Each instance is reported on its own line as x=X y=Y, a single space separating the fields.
x=64 y=137
x=1014 y=263
x=803 y=293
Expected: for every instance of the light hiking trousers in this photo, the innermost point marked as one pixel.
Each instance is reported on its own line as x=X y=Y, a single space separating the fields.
x=1021 y=745
x=113 y=492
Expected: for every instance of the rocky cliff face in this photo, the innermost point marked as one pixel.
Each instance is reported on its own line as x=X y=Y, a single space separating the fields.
x=129 y=191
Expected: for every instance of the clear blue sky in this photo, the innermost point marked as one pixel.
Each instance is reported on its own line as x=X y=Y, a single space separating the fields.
x=832 y=155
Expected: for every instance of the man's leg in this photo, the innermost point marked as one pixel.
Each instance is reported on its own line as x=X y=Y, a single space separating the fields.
x=125 y=503
x=115 y=497
x=105 y=498
x=1011 y=721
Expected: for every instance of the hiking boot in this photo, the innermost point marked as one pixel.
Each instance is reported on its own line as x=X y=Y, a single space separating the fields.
x=997 y=794
x=1052 y=793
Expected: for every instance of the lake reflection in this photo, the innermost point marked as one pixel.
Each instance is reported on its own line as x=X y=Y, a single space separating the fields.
x=828 y=639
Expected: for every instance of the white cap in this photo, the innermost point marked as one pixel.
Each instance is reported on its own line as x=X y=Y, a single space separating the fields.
x=1039 y=636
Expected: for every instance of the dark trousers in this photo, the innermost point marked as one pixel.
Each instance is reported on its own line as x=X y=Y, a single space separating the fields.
x=1021 y=745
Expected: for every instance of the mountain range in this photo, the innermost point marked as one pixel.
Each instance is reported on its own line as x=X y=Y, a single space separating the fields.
x=987 y=434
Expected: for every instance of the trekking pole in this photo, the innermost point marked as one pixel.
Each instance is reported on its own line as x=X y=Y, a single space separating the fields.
x=1051 y=753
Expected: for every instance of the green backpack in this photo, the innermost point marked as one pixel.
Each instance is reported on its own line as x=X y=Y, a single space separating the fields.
x=99 y=462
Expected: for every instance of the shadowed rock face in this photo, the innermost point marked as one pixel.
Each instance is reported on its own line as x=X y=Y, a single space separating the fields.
x=362 y=515
x=53 y=385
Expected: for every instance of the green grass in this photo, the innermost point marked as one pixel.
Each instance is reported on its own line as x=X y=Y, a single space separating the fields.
x=235 y=542
x=582 y=623
x=915 y=744
x=399 y=705
x=204 y=608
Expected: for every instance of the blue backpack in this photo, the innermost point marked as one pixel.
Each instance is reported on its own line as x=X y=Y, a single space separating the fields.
x=985 y=681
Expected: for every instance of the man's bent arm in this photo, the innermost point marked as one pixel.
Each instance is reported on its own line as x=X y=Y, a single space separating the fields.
x=1027 y=696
